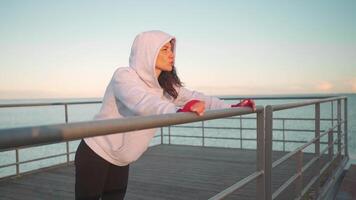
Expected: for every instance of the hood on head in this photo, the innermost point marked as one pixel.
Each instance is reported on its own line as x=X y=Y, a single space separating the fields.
x=144 y=52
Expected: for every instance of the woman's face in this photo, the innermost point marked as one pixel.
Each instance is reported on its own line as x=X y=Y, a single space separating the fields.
x=165 y=59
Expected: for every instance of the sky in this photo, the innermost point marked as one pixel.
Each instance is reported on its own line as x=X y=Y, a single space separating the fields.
x=70 y=49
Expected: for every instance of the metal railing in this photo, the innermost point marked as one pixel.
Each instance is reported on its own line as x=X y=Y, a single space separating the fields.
x=297 y=178
x=22 y=137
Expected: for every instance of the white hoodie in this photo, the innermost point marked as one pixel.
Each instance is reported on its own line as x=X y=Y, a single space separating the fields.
x=135 y=91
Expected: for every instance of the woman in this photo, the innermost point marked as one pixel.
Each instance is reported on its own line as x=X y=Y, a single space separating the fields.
x=149 y=86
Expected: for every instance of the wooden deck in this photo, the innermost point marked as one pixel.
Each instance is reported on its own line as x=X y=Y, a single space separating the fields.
x=163 y=172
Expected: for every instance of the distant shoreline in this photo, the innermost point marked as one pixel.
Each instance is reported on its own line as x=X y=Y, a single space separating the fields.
x=225 y=96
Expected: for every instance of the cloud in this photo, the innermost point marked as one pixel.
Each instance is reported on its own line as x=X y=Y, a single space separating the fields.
x=324 y=86
x=253 y=89
x=353 y=84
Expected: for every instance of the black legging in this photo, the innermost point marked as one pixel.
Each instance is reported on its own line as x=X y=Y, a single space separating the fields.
x=95 y=177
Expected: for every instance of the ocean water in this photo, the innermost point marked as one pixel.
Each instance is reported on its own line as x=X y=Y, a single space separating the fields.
x=44 y=115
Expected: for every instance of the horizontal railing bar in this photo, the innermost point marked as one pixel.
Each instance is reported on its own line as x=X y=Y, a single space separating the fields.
x=276 y=98
x=35 y=145
x=313 y=140
x=43 y=158
x=237 y=138
x=284 y=186
x=58 y=155
x=47 y=104
x=209 y=127
x=290 y=154
x=25 y=136
x=211 y=137
x=239 y=128
x=310 y=184
x=208 y=137
x=36 y=159
x=275 y=140
x=310 y=163
x=7 y=165
x=304 y=103
x=303 y=119
x=237 y=185
x=36 y=170
x=327 y=165
x=294 y=130
x=295 y=141
x=283 y=159
x=285 y=118
x=221 y=138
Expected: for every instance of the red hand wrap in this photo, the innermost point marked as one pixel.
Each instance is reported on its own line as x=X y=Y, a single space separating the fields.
x=245 y=103
x=188 y=106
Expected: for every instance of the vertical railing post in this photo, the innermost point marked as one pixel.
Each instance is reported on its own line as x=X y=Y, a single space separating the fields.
x=331 y=135
x=203 y=134
x=161 y=135
x=240 y=117
x=317 y=147
x=241 y=132
x=17 y=162
x=260 y=187
x=299 y=181
x=345 y=128
x=268 y=151
x=66 y=113
x=330 y=144
x=284 y=136
x=66 y=121
x=169 y=134
x=339 y=127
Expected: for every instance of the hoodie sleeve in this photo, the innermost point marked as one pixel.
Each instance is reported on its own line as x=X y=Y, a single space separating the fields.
x=185 y=95
x=133 y=93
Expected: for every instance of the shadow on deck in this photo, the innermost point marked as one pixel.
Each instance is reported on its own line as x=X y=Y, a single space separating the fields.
x=164 y=172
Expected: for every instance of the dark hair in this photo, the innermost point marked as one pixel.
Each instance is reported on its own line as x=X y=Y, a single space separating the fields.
x=169 y=79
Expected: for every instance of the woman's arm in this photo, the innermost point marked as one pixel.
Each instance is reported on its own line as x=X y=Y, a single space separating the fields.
x=133 y=93
x=185 y=95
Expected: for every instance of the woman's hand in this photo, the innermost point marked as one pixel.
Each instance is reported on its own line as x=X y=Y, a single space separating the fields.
x=246 y=103
x=195 y=106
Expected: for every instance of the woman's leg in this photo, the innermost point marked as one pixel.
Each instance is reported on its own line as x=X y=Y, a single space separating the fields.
x=116 y=183
x=90 y=173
